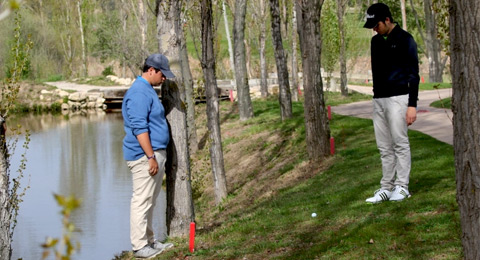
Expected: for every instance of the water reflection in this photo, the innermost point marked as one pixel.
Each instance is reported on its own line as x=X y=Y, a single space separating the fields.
x=80 y=156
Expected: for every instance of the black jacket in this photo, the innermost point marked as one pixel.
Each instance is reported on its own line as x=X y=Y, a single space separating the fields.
x=395 y=65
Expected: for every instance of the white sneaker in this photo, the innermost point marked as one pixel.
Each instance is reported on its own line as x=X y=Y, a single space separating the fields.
x=399 y=194
x=146 y=252
x=380 y=195
x=161 y=246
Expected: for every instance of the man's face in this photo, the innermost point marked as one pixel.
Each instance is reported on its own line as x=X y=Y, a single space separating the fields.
x=380 y=28
x=158 y=78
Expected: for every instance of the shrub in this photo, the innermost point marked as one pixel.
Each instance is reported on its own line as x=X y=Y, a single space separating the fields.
x=108 y=71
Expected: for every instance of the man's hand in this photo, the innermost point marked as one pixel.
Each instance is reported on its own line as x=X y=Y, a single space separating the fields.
x=153 y=166
x=411 y=115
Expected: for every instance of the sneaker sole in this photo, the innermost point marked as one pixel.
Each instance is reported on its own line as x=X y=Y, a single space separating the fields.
x=377 y=202
x=402 y=199
x=150 y=257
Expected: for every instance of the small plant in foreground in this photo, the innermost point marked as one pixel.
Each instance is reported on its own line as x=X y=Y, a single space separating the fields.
x=65 y=249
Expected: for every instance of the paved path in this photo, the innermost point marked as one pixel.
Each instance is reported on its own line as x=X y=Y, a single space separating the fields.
x=65 y=85
x=432 y=121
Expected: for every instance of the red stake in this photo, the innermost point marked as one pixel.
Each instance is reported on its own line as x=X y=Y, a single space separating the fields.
x=329 y=112
x=192 y=237
x=332 y=146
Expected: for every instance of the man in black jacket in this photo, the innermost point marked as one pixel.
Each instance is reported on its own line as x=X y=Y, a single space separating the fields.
x=395 y=93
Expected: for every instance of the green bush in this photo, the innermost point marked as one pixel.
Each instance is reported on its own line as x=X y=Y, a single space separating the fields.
x=108 y=71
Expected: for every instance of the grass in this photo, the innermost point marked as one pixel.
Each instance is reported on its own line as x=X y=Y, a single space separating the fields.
x=96 y=81
x=443 y=103
x=432 y=86
x=274 y=190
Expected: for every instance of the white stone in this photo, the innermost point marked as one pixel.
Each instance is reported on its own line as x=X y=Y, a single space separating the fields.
x=112 y=77
x=62 y=93
x=91 y=104
x=93 y=96
x=46 y=92
x=100 y=100
x=77 y=97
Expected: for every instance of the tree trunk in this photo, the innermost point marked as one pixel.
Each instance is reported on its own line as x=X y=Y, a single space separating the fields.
x=432 y=44
x=229 y=40
x=5 y=218
x=284 y=96
x=180 y=210
x=66 y=39
x=317 y=130
x=123 y=17
x=341 y=8
x=295 y=86
x=465 y=67
x=404 y=14
x=298 y=10
x=82 y=39
x=248 y=55
x=142 y=22
x=208 y=66
x=243 y=89
x=40 y=9
x=263 y=59
x=189 y=95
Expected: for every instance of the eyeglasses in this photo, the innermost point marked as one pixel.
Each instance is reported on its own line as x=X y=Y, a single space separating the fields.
x=376 y=26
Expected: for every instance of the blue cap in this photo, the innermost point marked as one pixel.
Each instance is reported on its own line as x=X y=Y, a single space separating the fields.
x=160 y=62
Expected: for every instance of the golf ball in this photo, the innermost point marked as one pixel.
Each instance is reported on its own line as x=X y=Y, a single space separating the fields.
x=314 y=215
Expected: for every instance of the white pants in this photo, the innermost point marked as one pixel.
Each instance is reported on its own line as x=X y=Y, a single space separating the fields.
x=391 y=133
x=145 y=192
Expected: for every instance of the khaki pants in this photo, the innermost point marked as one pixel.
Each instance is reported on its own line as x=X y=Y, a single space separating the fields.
x=391 y=133
x=145 y=192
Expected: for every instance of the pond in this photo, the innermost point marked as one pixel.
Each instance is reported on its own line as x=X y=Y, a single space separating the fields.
x=80 y=156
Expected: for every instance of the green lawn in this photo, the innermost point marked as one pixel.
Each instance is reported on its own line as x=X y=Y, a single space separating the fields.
x=277 y=223
x=443 y=103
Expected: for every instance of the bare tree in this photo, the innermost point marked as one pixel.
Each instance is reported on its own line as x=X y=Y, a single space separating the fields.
x=189 y=93
x=229 y=39
x=65 y=23
x=5 y=214
x=341 y=9
x=243 y=89
x=140 y=12
x=260 y=16
x=432 y=44
x=295 y=86
x=465 y=67
x=82 y=39
x=208 y=66
x=316 y=122
x=180 y=211
x=404 y=14
x=285 y=98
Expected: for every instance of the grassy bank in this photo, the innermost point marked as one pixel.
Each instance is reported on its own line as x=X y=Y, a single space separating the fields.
x=274 y=190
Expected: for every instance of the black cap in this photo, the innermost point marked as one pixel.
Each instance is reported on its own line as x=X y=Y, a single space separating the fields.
x=160 y=62
x=376 y=13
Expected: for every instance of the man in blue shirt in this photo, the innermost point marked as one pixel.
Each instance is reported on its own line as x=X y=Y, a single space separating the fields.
x=146 y=138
